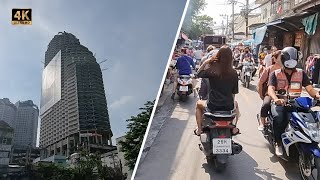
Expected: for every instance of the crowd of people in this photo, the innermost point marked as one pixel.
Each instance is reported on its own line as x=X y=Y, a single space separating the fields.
x=219 y=82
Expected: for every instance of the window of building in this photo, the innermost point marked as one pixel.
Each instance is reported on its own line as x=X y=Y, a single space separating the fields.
x=4 y=140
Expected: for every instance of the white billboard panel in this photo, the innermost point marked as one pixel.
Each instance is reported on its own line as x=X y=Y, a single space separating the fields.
x=51 y=83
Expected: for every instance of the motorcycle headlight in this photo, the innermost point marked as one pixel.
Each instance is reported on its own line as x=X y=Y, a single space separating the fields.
x=314 y=131
x=180 y=81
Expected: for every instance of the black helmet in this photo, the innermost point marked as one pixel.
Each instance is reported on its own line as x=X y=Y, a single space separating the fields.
x=289 y=57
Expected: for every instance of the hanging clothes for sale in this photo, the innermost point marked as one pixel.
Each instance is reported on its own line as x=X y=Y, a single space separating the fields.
x=309 y=66
x=315 y=68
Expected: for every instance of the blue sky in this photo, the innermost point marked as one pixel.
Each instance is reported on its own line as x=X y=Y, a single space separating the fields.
x=136 y=37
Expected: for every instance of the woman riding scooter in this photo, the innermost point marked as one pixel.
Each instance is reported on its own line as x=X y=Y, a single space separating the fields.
x=223 y=81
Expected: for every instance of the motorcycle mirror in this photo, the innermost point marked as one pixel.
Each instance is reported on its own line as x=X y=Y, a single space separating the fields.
x=282 y=92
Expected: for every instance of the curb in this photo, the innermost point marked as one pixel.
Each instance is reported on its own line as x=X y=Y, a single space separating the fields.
x=165 y=95
x=158 y=121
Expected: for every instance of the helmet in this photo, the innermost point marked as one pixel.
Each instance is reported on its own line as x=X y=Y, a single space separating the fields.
x=289 y=57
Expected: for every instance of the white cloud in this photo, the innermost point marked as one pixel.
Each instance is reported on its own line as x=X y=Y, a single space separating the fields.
x=122 y=101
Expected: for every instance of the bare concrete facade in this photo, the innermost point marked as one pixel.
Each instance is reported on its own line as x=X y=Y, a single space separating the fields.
x=79 y=119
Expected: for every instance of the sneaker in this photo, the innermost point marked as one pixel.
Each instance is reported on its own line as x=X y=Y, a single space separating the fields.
x=278 y=150
x=172 y=96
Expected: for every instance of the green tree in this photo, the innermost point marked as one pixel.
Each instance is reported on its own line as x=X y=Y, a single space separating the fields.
x=89 y=168
x=194 y=8
x=133 y=139
x=52 y=171
x=201 y=25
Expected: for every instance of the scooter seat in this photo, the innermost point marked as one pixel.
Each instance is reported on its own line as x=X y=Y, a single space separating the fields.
x=220 y=114
x=185 y=76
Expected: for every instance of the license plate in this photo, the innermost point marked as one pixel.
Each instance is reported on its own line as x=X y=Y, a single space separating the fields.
x=221 y=146
x=183 y=88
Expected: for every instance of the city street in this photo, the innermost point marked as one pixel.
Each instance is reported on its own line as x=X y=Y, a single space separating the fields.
x=175 y=154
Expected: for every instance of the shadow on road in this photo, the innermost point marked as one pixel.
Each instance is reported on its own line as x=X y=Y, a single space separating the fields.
x=235 y=168
x=252 y=87
x=291 y=168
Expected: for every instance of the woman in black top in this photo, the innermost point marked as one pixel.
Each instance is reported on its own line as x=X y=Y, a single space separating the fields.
x=223 y=85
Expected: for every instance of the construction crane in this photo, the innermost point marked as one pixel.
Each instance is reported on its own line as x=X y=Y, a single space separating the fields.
x=103 y=61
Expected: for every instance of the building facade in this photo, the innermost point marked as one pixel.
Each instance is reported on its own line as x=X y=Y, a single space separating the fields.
x=125 y=169
x=26 y=124
x=283 y=26
x=240 y=25
x=7 y=111
x=23 y=155
x=73 y=110
x=111 y=159
x=6 y=138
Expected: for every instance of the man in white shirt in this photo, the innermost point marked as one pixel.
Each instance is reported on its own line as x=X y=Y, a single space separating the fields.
x=268 y=57
x=198 y=54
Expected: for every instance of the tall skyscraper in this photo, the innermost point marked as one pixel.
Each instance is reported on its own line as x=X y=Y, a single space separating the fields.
x=73 y=110
x=7 y=111
x=26 y=124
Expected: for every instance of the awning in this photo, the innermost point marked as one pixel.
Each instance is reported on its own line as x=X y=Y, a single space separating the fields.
x=283 y=24
x=258 y=35
x=310 y=23
x=248 y=42
x=184 y=36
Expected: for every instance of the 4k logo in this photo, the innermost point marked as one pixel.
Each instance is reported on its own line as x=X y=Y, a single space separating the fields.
x=21 y=16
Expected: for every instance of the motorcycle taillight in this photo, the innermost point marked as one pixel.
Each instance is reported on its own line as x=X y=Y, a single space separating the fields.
x=222 y=136
x=222 y=124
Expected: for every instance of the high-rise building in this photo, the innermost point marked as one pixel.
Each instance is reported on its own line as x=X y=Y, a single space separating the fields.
x=73 y=110
x=26 y=124
x=7 y=111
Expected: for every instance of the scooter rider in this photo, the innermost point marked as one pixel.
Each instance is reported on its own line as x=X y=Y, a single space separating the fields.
x=246 y=56
x=183 y=65
x=290 y=79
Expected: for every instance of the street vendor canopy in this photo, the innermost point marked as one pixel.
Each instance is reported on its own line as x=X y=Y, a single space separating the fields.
x=258 y=34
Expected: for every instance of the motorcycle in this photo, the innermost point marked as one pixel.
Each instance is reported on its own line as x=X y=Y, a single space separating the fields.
x=246 y=73
x=216 y=139
x=184 y=87
x=236 y=61
x=300 y=141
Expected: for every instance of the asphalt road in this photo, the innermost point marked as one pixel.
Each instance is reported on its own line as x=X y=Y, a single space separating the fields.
x=175 y=154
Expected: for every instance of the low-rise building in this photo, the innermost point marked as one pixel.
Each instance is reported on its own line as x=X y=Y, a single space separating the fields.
x=23 y=155
x=111 y=159
x=125 y=169
x=6 y=136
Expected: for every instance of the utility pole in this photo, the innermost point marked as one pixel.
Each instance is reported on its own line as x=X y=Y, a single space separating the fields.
x=224 y=29
x=227 y=28
x=232 y=2
x=247 y=18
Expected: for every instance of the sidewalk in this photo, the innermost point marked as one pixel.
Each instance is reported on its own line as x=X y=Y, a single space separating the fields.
x=163 y=110
x=166 y=93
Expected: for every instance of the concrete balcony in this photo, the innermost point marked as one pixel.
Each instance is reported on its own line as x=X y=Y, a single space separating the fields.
x=301 y=5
